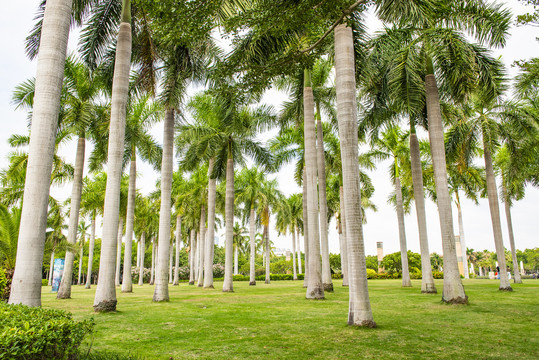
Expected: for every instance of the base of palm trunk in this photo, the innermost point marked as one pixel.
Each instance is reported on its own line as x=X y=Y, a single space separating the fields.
x=228 y=290
x=159 y=299
x=209 y=287
x=252 y=283
x=304 y=286
x=175 y=284
x=191 y=283
x=407 y=283
x=106 y=306
x=519 y=281
x=457 y=301
x=345 y=285
x=63 y=295
x=200 y=285
x=87 y=287
x=151 y=283
x=266 y=281
x=429 y=291
x=316 y=293
x=365 y=323
x=295 y=278
x=507 y=288
x=328 y=287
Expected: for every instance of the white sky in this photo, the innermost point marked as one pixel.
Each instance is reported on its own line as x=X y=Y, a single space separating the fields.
x=16 y=20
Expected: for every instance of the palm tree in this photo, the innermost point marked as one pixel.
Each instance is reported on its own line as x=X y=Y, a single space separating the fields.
x=9 y=231
x=432 y=44
x=92 y=202
x=238 y=237
x=226 y=135
x=82 y=230
x=360 y=313
x=141 y=115
x=82 y=90
x=105 y=296
x=249 y=193
x=26 y=285
x=392 y=144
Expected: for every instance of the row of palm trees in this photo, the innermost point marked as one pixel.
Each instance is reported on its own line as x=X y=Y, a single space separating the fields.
x=405 y=72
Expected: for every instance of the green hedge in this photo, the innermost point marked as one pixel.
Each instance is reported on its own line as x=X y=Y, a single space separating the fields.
x=36 y=333
x=274 y=277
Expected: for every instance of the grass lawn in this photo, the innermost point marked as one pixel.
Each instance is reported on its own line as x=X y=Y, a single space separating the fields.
x=276 y=322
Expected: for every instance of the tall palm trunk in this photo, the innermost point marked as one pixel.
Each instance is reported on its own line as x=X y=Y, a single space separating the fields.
x=427 y=280
x=51 y=268
x=294 y=272
x=161 y=283
x=299 y=251
x=137 y=262
x=64 y=292
x=105 y=295
x=267 y=252
x=406 y=282
x=80 y=260
x=461 y=236
x=235 y=259
x=26 y=285
x=196 y=255
x=453 y=291
x=315 y=289
x=152 y=270
x=142 y=253
x=192 y=258
x=360 y=312
x=305 y=231
x=91 y=253
x=345 y=267
x=252 y=255
x=322 y=199
x=507 y=202
x=170 y=260
x=229 y=223
x=119 y=251
x=201 y=246
x=492 y=193
x=208 y=251
x=127 y=280
x=178 y=242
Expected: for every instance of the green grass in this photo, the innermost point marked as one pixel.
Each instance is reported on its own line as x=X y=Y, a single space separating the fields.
x=276 y=322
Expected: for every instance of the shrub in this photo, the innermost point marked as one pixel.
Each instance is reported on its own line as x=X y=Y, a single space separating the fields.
x=44 y=282
x=37 y=333
x=437 y=274
x=336 y=275
x=3 y=281
x=371 y=274
x=218 y=271
x=6 y=290
x=415 y=273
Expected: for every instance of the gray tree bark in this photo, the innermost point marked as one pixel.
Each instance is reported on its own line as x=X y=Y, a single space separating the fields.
x=201 y=246
x=26 y=285
x=64 y=292
x=360 y=313
x=305 y=231
x=80 y=260
x=462 y=240
x=517 y=277
x=208 y=255
x=322 y=198
x=152 y=270
x=229 y=224
x=235 y=259
x=300 y=268
x=170 y=261
x=127 y=280
x=295 y=274
x=91 y=246
x=119 y=251
x=178 y=243
x=192 y=259
x=315 y=289
x=267 y=253
x=427 y=280
x=161 y=283
x=51 y=268
x=105 y=295
x=252 y=255
x=406 y=282
x=453 y=291
x=492 y=192
x=345 y=267
x=142 y=253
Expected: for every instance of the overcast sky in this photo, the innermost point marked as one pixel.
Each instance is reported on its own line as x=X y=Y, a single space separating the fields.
x=16 y=20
